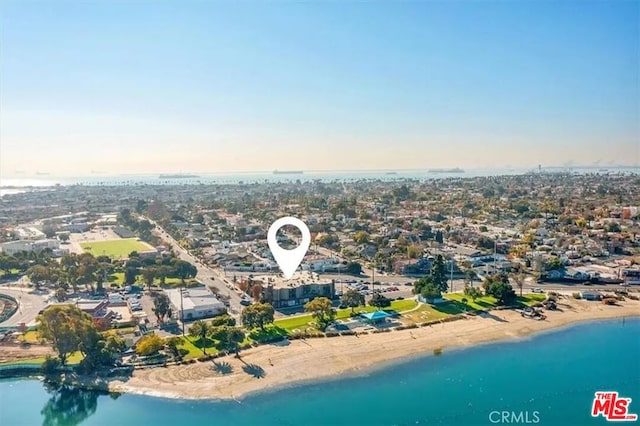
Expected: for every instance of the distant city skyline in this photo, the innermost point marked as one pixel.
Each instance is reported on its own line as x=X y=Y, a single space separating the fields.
x=219 y=87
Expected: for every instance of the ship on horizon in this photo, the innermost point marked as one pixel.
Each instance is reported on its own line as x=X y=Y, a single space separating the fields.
x=178 y=176
x=288 y=172
x=453 y=170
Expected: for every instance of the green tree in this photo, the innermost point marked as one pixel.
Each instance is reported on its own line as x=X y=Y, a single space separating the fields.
x=430 y=292
x=184 y=270
x=149 y=345
x=63 y=326
x=222 y=320
x=171 y=345
x=439 y=274
x=235 y=336
x=354 y=268
x=201 y=330
x=38 y=273
x=439 y=237
x=352 y=298
x=149 y=274
x=379 y=301
x=501 y=290
x=257 y=315
x=321 y=310
x=130 y=275
x=472 y=292
x=161 y=306
x=361 y=237
x=414 y=251
x=162 y=272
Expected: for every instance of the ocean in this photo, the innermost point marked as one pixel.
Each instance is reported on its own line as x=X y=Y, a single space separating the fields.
x=546 y=379
x=260 y=177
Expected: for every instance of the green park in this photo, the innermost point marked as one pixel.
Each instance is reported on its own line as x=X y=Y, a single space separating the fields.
x=115 y=249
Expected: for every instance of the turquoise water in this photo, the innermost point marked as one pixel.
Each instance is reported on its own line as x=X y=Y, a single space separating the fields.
x=555 y=374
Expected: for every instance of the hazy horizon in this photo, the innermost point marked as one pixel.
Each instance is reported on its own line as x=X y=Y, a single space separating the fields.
x=195 y=87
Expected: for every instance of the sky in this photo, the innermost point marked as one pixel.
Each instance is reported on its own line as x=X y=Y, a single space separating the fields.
x=123 y=87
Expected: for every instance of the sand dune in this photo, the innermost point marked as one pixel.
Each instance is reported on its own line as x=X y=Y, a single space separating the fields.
x=323 y=358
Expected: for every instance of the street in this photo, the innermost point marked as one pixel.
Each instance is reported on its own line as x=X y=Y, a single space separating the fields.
x=28 y=306
x=206 y=275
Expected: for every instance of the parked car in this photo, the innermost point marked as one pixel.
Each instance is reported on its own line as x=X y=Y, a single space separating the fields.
x=537 y=290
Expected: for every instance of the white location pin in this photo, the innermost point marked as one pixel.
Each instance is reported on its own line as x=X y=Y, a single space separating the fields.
x=288 y=260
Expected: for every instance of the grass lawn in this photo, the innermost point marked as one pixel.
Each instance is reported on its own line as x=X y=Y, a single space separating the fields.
x=455 y=305
x=118 y=278
x=424 y=313
x=37 y=360
x=195 y=347
x=193 y=350
x=72 y=359
x=303 y=321
x=10 y=272
x=532 y=298
x=483 y=302
x=31 y=337
x=269 y=332
x=116 y=249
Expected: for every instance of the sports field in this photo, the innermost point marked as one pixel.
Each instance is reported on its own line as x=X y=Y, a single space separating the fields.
x=116 y=249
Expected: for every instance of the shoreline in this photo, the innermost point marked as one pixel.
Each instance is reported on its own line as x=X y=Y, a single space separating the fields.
x=302 y=362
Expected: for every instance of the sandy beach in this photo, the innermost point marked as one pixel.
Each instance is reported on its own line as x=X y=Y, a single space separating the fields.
x=301 y=361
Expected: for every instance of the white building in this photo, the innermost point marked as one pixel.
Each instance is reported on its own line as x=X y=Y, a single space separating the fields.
x=13 y=247
x=76 y=227
x=28 y=233
x=196 y=303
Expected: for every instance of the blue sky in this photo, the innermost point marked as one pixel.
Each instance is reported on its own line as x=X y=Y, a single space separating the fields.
x=203 y=86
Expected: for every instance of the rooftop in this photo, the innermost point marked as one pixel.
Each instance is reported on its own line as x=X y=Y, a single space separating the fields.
x=298 y=279
x=193 y=298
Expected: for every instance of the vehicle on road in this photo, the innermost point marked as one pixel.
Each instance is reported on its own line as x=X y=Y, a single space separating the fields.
x=537 y=290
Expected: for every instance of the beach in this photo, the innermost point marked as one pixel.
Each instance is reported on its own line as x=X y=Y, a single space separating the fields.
x=300 y=361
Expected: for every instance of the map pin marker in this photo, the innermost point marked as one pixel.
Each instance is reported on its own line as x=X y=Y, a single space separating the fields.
x=288 y=260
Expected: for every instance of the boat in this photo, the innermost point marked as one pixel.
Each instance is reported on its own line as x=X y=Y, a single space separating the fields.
x=288 y=172
x=454 y=170
x=391 y=173
x=178 y=176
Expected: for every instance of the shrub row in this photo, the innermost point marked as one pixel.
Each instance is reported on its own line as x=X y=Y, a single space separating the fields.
x=406 y=327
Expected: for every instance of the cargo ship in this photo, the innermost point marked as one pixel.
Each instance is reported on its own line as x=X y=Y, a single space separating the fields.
x=454 y=170
x=288 y=172
x=178 y=176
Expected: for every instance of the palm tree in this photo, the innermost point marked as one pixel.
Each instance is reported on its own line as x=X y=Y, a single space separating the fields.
x=234 y=338
x=201 y=330
x=149 y=273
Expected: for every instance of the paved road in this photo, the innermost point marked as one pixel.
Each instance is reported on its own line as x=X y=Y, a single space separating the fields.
x=28 y=306
x=207 y=275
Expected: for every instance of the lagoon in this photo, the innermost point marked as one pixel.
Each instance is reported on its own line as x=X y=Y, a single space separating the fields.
x=554 y=374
